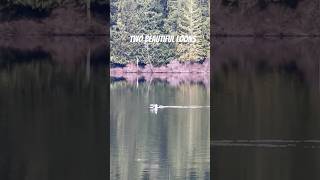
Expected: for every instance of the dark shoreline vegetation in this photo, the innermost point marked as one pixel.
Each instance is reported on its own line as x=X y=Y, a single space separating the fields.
x=174 y=73
x=172 y=79
x=49 y=17
x=173 y=66
x=263 y=18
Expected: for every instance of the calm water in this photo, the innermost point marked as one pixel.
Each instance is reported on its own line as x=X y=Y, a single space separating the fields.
x=54 y=103
x=266 y=122
x=172 y=144
x=53 y=109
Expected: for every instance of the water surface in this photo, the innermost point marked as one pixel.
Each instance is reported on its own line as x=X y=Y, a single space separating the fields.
x=53 y=109
x=172 y=144
x=266 y=120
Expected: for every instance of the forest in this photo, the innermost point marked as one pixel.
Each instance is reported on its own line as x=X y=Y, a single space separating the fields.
x=164 y=17
x=53 y=17
x=37 y=9
x=44 y=4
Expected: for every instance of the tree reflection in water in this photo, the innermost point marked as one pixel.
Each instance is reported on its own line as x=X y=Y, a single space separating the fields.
x=173 y=144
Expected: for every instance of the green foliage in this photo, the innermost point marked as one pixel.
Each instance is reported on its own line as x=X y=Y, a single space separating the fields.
x=151 y=17
x=193 y=22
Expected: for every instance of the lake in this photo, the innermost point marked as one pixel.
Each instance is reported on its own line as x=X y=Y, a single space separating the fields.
x=53 y=109
x=264 y=121
x=170 y=144
x=266 y=118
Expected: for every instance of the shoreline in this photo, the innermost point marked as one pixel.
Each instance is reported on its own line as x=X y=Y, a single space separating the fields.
x=173 y=67
x=173 y=73
x=172 y=79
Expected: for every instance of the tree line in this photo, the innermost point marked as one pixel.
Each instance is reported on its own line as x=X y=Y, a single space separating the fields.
x=45 y=4
x=158 y=17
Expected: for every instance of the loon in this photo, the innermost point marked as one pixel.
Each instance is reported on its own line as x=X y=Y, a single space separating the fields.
x=154 y=107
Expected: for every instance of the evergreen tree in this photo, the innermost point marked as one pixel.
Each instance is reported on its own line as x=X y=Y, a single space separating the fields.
x=122 y=50
x=205 y=26
x=151 y=17
x=193 y=23
x=152 y=21
x=174 y=16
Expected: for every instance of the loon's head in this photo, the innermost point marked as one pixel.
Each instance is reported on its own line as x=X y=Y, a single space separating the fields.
x=153 y=106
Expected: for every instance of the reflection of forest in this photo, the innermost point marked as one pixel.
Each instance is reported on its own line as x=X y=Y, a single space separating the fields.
x=299 y=55
x=172 y=143
x=66 y=50
x=52 y=117
x=267 y=89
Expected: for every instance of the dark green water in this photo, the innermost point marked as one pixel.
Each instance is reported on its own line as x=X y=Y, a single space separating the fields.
x=53 y=111
x=172 y=144
x=266 y=122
